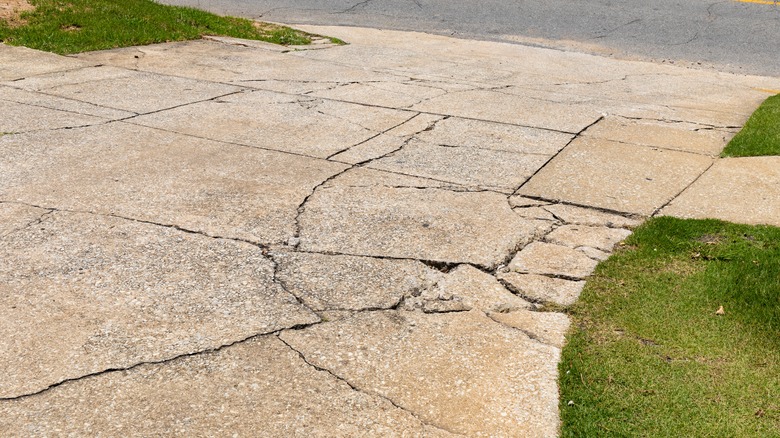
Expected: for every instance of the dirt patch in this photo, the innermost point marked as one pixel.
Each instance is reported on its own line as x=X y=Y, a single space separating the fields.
x=10 y=10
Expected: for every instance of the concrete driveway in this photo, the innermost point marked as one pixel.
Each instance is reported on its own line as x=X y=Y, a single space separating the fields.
x=223 y=237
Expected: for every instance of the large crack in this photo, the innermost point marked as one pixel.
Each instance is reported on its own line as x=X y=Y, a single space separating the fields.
x=363 y=391
x=153 y=362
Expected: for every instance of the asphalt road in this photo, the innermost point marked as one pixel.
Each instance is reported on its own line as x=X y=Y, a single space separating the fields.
x=727 y=35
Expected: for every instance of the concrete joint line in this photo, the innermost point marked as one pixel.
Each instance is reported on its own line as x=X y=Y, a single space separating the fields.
x=658 y=210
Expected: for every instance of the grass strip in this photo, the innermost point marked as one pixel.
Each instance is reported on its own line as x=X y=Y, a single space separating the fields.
x=761 y=134
x=649 y=356
x=73 y=26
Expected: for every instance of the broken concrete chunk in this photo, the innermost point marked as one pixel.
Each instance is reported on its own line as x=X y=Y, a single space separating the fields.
x=572 y=214
x=521 y=201
x=546 y=327
x=258 y=385
x=537 y=213
x=478 y=290
x=80 y=294
x=593 y=253
x=549 y=259
x=574 y=236
x=542 y=288
x=328 y=282
x=461 y=372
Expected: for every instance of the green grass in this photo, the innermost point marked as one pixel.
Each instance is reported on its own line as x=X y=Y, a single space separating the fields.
x=761 y=134
x=73 y=26
x=649 y=357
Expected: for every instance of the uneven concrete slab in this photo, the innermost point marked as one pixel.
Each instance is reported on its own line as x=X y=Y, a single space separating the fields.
x=473 y=167
x=685 y=137
x=742 y=190
x=616 y=176
x=498 y=382
x=20 y=62
x=511 y=109
x=575 y=236
x=141 y=92
x=152 y=175
x=426 y=224
x=258 y=385
x=85 y=293
x=14 y=217
x=549 y=259
x=265 y=119
x=455 y=131
x=543 y=288
x=571 y=214
x=333 y=282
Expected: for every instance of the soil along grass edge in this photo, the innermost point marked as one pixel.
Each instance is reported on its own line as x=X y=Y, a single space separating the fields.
x=761 y=134
x=74 y=26
x=653 y=353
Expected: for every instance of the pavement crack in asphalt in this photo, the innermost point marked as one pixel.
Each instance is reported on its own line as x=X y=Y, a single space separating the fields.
x=614 y=29
x=658 y=210
x=575 y=137
x=152 y=362
x=353 y=7
x=356 y=388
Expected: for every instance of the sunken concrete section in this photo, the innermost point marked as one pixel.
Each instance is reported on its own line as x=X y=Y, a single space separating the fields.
x=218 y=237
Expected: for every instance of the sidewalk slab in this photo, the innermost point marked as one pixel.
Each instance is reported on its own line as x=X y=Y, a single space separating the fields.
x=616 y=176
x=742 y=190
x=260 y=386
x=114 y=293
x=20 y=62
x=147 y=174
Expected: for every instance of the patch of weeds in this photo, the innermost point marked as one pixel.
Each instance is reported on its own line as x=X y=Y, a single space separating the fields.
x=649 y=356
x=761 y=134
x=72 y=26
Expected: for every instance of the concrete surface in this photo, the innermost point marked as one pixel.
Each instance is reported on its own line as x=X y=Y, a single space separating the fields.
x=212 y=237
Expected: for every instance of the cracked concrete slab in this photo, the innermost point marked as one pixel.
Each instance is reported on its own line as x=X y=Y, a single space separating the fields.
x=546 y=327
x=48 y=102
x=334 y=282
x=456 y=131
x=85 y=293
x=427 y=224
x=616 y=176
x=141 y=92
x=18 y=117
x=542 y=288
x=476 y=290
x=742 y=190
x=472 y=167
x=575 y=236
x=461 y=371
x=247 y=66
x=20 y=62
x=685 y=137
x=258 y=385
x=550 y=259
x=571 y=214
x=265 y=119
x=148 y=174
x=496 y=106
x=14 y=217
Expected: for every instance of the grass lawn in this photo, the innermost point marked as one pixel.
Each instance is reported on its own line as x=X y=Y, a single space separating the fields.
x=72 y=26
x=649 y=356
x=760 y=135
